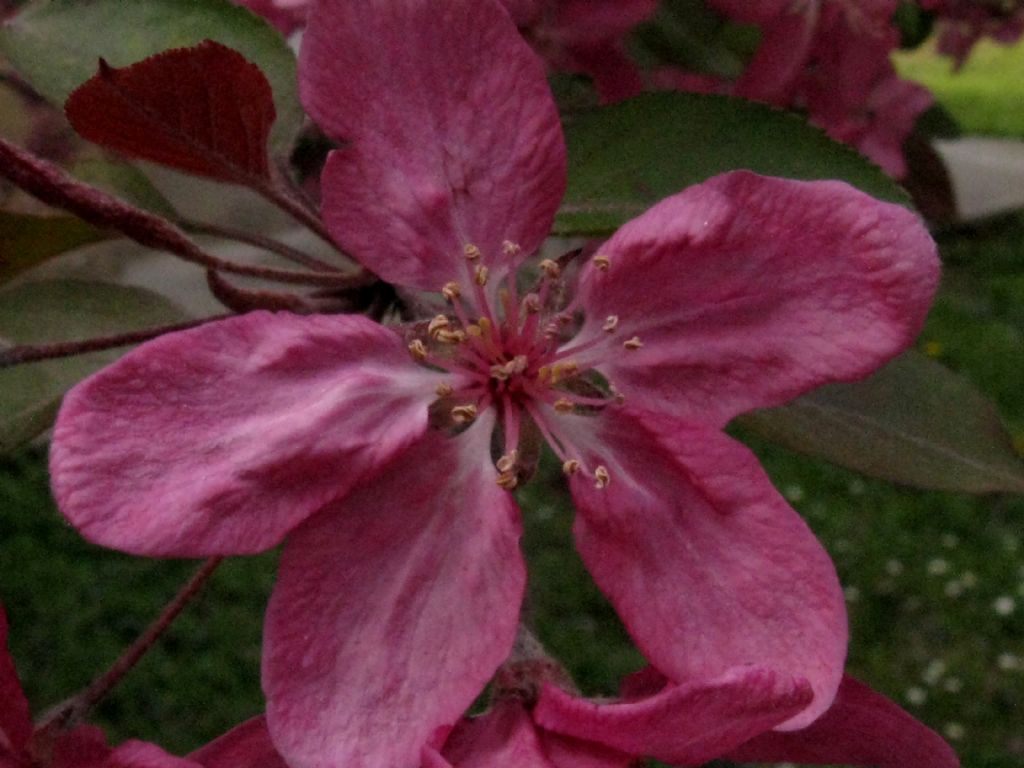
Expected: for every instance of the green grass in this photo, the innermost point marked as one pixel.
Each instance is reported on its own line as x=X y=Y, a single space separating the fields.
x=986 y=96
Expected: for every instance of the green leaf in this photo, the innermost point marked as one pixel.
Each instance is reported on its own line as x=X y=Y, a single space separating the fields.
x=913 y=422
x=56 y=45
x=64 y=310
x=627 y=156
x=125 y=181
x=27 y=240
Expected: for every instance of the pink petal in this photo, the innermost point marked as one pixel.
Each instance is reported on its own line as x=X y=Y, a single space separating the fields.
x=393 y=608
x=779 y=60
x=454 y=137
x=15 y=717
x=221 y=439
x=861 y=728
x=245 y=746
x=747 y=291
x=84 y=747
x=684 y=724
x=705 y=562
x=141 y=754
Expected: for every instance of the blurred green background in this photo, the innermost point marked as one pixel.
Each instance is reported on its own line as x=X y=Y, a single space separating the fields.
x=934 y=582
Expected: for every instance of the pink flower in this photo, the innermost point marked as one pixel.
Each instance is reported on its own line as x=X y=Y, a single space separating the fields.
x=401 y=578
x=964 y=22
x=83 y=746
x=690 y=725
x=586 y=36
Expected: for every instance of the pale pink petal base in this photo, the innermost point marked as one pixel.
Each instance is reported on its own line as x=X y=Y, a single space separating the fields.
x=452 y=135
x=705 y=562
x=765 y=288
x=861 y=728
x=393 y=608
x=686 y=724
x=219 y=440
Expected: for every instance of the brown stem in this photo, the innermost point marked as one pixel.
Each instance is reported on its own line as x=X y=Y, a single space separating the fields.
x=75 y=709
x=31 y=353
x=266 y=243
x=53 y=186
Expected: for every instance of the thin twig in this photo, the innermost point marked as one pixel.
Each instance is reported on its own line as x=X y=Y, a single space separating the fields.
x=266 y=243
x=31 y=353
x=53 y=186
x=75 y=709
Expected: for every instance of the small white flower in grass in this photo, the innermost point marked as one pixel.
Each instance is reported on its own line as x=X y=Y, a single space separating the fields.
x=969 y=579
x=937 y=566
x=954 y=588
x=1009 y=662
x=952 y=685
x=1004 y=605
x=950 y=540
x=916 y=695
x=894 y=567
x=852 y=594
x=934 y=671
x=794 y=493
x=954 y=731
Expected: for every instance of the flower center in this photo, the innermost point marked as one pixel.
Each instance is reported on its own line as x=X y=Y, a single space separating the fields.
x=523 y=357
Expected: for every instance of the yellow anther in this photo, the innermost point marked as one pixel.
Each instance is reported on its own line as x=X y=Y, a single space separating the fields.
x=480 y=275
x=507 y=462
x=451 y=291
x=563 y=371
x=471 y=251
x=601 y=477
x=510 y=249
x=571 y=467
x=486 y=326
x=418 y=350
x=508 y=480
x=610 y=324
x=551 y=269
x=563 y=405
x=503 y=371
x=543 y=373
x=531 y=303
x=602 y=262
x=463 y=414
x=633 y=344
x=474 y=330
x=438 y=324
x=451 y=337
x=444 y=389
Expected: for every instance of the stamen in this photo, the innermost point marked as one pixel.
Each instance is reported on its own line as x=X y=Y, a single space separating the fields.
x=633 y=344
x=504 y=371
x=444 y=389
x=471 y=251
x=563 y=405
x=601 y=477
x=531 y=304
x=463 y=414
x=418 y=350
x=510 y=249
x=571 y=467
x=563 y=370
x=451 y=291
x=551 y=269
x=480 y=275
x=602 y=262
x=508 y=480
x=507 y=462
x=451 y=337
x=438 y=324
x=610 y=324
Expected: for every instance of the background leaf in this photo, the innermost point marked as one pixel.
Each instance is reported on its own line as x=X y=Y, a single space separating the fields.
x=56 y=44
x=204 y=110
x=913 y=422
x=64 y=310
x=27 y=240
x=125 y=181
x=627 y=156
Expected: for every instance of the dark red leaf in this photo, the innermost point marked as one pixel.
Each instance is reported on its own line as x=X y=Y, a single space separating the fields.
x=205 y=110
